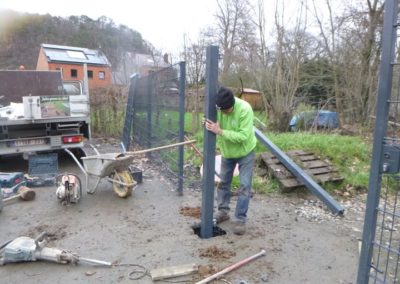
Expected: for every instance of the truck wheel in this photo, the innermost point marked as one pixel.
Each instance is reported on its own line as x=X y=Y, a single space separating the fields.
x=123 y=190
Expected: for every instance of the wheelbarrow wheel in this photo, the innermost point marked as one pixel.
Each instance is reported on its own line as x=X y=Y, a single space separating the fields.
x=123 y=190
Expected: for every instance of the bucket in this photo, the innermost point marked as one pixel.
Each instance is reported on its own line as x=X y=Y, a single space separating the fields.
x=137 y=174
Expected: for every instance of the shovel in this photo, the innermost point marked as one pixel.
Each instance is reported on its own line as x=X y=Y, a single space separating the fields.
x=24 y=193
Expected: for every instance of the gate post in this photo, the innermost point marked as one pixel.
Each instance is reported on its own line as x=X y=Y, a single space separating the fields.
x=382 y=113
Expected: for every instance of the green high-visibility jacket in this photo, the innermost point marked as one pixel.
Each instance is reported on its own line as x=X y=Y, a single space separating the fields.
x=238 y=138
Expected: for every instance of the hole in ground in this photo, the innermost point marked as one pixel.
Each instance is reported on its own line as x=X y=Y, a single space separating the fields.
x=217 y=231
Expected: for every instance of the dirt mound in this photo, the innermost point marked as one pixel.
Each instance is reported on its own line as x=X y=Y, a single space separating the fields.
x=194 y=212
x=216 y=253
x=206 y=270
x=53 y=232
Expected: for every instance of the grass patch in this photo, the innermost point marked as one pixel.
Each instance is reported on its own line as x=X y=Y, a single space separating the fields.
x=349 y=154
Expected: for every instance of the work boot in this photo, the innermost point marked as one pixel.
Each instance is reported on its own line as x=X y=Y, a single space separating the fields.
x=221 y=216
x=240 y=228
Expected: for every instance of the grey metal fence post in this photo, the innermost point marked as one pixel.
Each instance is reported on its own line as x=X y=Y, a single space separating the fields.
x=129 y=114
x=210 y=112
x=182 y=80
x=150 y=88
x=384 y=93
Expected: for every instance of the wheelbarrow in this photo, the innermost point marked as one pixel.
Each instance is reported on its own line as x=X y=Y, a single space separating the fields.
x=114 y=167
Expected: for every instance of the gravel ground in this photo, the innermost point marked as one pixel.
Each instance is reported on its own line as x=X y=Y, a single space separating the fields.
x=304 y=243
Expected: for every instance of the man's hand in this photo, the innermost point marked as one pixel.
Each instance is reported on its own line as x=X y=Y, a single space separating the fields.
x=213 y=127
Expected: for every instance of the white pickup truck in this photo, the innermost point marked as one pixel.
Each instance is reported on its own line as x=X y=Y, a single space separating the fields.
x=40 y=112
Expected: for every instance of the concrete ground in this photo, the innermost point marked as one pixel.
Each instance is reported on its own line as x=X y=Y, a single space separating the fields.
x=304 y=243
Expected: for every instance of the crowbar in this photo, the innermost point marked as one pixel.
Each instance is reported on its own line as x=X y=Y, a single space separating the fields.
x=232 y=267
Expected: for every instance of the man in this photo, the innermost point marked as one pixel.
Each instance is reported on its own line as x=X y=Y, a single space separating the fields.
x=236 y=140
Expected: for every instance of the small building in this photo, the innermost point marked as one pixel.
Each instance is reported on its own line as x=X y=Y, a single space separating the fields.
x=137 y=63
x=70 y=61
x=253 y=97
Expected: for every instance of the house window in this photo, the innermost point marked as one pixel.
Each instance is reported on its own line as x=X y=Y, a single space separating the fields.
x=90 y=74
x=74 y=73
x=102 y=75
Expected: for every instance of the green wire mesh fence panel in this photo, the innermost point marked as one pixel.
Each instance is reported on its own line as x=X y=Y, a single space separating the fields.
x=158 y=116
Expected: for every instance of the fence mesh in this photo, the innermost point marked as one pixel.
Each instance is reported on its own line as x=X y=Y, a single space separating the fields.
x=157 y=119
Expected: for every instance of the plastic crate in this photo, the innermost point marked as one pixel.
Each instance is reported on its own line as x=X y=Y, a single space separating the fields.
x=43 y=170
x=11 y=179
x=11 y=182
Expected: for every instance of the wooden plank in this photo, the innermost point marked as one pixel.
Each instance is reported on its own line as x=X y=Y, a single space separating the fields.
x=173 y=271
x=290 y=183
x=282 y=171
x=278 y=167
x=272 y=161
x=305 y=158
x=326 y=178
x=298 y=153
x=314 y=164
x=269 y=158
x=322 y=170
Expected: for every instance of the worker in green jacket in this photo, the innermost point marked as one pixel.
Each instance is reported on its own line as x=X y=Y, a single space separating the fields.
x=236 y=140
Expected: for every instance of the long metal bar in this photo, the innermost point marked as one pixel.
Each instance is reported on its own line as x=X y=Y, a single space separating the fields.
x=207 y=202
x=382 y=112
x=160 y=148
x=94 y=261
x=314 y=187
x=232 y=267
x=182 y=79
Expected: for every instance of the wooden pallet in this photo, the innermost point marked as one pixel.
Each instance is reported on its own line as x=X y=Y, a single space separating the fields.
x=320 y=171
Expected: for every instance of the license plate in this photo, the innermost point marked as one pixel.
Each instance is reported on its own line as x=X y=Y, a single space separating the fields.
x=29 y=142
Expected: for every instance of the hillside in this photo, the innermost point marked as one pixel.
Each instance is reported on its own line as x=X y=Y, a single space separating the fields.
x=22 y=34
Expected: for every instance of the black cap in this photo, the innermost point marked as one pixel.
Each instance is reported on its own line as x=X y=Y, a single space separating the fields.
x=224 y=98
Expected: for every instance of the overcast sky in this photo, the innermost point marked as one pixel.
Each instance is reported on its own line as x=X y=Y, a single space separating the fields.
x=161 y=22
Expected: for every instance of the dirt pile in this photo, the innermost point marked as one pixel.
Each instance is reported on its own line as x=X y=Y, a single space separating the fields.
x=215 y=253
x=194 y=212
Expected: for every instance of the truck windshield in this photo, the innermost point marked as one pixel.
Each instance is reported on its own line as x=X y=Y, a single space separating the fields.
x=71 y=88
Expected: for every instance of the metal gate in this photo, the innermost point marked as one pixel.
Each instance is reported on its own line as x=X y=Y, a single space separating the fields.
x=155 y=115
x=380 y=253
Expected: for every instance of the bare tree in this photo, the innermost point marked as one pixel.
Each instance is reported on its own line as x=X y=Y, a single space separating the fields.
x=370 y=54
x=276 y=69
x=352 y=45
x=194 y=54
x=233 y=32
